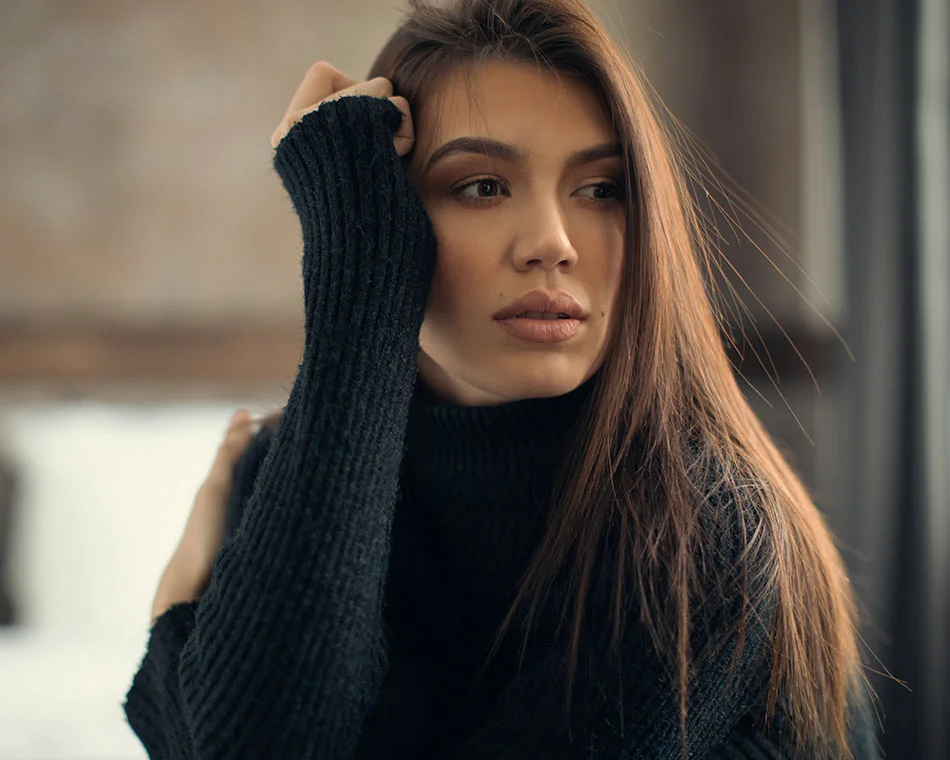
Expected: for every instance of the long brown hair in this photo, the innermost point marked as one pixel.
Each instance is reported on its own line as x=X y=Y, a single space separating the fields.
x=667 y=432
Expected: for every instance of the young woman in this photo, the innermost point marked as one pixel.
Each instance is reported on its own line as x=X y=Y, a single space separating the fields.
x=516 y=505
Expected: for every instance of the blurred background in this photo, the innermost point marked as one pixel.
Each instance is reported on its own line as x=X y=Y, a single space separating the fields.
x=149 y=285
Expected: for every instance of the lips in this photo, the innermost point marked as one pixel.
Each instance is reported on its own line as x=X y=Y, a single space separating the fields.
x=558 y=303
x=541 y=330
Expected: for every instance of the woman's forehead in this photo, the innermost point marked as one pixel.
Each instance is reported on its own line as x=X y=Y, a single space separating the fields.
x=497 y=88
x=512 y=103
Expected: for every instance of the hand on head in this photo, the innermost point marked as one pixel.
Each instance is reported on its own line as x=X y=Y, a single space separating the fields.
x=323 y=83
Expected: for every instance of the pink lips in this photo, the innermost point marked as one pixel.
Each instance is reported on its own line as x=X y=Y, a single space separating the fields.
x=540 y=330
x=558 y=302
x=569 y=313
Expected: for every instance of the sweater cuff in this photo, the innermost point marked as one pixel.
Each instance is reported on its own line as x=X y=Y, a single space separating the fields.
x=155 y=685
x=369 y=247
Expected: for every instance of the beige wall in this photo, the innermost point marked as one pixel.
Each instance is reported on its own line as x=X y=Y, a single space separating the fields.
x=134 y=140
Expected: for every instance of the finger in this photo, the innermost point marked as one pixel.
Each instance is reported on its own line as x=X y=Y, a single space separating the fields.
x=241 y=420
x=241 y=429
x=405 y=136
x=240 y=415
x=378 y=87
x=321 y=80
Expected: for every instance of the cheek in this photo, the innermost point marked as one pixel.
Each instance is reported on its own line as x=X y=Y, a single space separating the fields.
x=601 y=263
x=614 y=261
x=615 y=273
x=461 y=278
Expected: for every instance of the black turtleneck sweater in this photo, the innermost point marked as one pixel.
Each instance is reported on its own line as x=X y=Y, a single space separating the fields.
x=376 y=536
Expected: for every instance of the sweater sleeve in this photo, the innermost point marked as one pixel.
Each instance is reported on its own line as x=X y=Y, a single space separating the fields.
x=284 y=654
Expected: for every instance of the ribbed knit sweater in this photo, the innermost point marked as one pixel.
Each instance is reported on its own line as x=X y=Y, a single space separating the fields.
x=376 y=538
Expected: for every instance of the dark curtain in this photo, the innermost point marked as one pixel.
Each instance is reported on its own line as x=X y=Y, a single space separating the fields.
x=895 y=134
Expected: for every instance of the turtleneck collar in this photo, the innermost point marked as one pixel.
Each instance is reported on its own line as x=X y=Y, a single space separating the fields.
x=476 y=487
x=489 y=442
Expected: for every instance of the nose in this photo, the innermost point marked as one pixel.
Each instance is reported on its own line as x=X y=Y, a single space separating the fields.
x=545 y=243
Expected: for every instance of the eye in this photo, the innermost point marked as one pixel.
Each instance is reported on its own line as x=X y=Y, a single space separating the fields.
x=477 y=184
x=614 y=191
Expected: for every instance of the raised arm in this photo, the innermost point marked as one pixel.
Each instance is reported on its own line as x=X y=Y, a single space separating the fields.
x=284 y=654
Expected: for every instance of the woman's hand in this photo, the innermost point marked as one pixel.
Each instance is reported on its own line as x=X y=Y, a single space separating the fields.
x=189 y=571
x=323 y=82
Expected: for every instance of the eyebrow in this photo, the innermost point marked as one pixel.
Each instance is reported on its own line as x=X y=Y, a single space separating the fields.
x=514 y=155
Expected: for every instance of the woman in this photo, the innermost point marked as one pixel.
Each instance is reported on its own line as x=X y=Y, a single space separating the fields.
x=491 y=526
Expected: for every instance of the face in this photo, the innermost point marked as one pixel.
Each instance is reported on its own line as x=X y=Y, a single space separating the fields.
x=522 y=218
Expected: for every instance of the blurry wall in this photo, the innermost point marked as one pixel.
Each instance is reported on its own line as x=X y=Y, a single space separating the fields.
x=134 y=138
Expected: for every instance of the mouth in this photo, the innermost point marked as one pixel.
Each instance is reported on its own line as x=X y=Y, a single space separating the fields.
x=541 y=315
x=542 y=304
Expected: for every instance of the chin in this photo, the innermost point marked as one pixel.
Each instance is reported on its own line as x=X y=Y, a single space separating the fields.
x=539 y=384
x=482 y=376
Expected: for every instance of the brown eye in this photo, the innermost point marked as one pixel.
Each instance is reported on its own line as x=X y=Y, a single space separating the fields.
x=483 y=184
x=612 y=189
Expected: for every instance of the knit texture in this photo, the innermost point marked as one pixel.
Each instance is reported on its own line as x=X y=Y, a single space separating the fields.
x=376 y=537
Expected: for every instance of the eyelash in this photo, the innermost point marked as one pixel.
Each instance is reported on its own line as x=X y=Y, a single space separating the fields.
x=457 y=191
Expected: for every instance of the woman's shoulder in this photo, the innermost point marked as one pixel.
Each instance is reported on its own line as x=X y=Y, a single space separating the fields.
x=735 y=550
x=731 y=515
